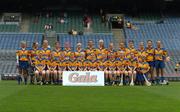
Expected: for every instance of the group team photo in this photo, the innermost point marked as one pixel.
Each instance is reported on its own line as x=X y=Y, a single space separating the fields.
x=125 y=66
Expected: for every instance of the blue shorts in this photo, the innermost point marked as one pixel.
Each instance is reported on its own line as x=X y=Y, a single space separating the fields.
x=159 y=64
x=23 y=65
x=140 y=77
x=151 y=63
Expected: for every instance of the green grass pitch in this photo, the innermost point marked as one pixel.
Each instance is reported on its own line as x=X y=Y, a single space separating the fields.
x=21 y=98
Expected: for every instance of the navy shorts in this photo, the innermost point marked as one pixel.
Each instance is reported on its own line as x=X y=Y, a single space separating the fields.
x=159 y=64
x=151 y=63
x=23 y=65
x=140 y=77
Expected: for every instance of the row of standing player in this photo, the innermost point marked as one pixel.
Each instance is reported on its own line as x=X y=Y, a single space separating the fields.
x=132 y=63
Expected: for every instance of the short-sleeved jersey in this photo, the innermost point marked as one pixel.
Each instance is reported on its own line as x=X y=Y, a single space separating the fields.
x=72 y=65
x=101 y=53
x=111 y=54
x=90 y=54
x=133 y=62
x=56 y=55
x=126 y=62
x=160 y=54
x=67 y=54
x=40 y=64
x=120 y=63
x=125 y=50
x=150 y=54
x=34 y=54
x=23 y=54
x=99 y=65
x=46 y=53
x=52 y=65
x=131 y=50
x=80 y=55
x=142 y=54
x=110 y=64
x=144 y=67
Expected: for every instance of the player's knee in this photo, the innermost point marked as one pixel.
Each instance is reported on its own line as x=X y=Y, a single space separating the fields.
x=134 y=72
x=126 y=72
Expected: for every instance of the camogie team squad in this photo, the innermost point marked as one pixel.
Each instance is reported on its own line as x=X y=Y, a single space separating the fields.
x=125 y=66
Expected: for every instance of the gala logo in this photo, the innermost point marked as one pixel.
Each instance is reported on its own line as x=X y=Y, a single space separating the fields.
x=87 y=78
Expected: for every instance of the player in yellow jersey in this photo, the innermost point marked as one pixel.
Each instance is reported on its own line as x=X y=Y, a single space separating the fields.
x=110 y=69
x=150 y=59
x=57 y=56
x=126 y=63
x=121 y=67
x=122 y=48
x=72 y=62
x=79 y=54
x=160 y=58
x=67 y=51
x=46 y=56
x=45 y=50
x=40 y=71
x=111 y=53
x=131 y=49
x=33 y=56
x=22 y=55
x=133 y=63
x=141 y=50
x=101 y=52
x=90 y=51
x=143 y=68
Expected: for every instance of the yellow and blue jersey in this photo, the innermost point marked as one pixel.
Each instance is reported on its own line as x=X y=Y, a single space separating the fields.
x=67 y=54
x=40 y=64
x=100 y=65
x=23 y=54
x=131 y=50
x=90 y=54
x=144 y=67
x=101 y=53
x=34 y=55
x=160 y=54
x=80 y=55
x=46 y=53
x=150 y=54
x=111 y=54
x=133 y=62
x=125 y=50
x=110 y=64
x=56 y=55
x=52 y=65
x=120 y=63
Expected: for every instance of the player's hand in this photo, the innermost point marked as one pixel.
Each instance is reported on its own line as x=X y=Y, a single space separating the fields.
x=167 y=59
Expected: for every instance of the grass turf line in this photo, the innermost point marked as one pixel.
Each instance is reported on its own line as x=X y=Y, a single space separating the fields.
x=34 y=98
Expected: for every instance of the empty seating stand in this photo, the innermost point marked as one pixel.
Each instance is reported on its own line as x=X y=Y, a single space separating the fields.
x=9 y=28
x=11 y=41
